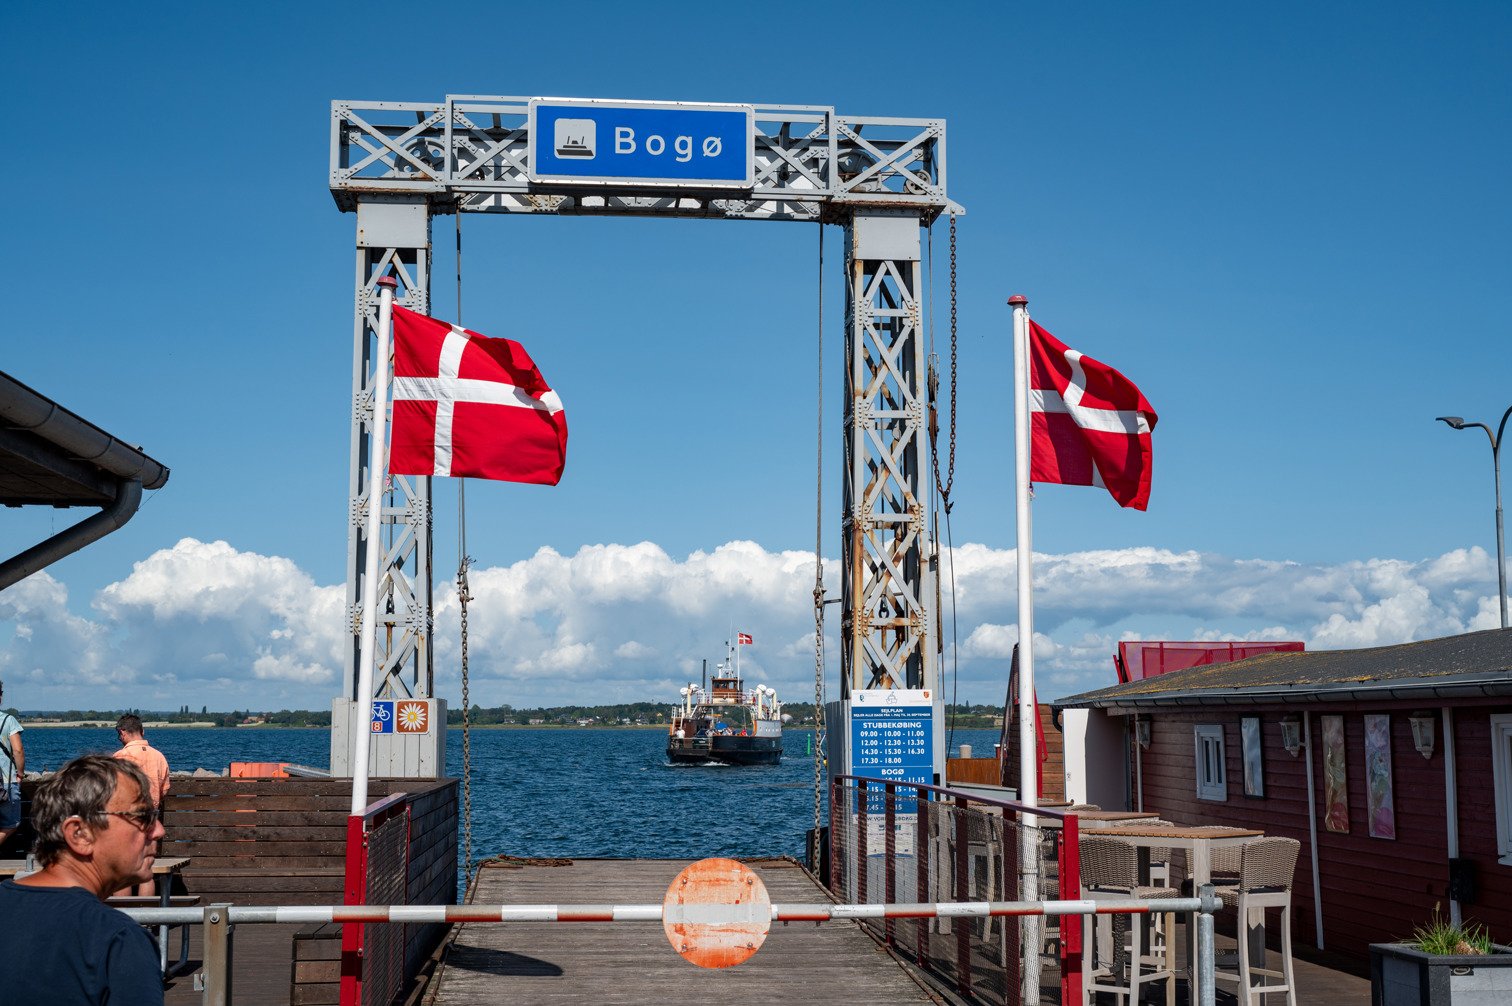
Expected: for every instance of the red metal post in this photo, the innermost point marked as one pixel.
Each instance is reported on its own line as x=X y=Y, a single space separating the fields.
x=1071 y=925
x=921 y=853
x=354 y=892
x=890 y=796
x=861 y=863
x=962 y=927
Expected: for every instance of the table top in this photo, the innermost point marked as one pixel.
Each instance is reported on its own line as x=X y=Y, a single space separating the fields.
x=170 y=864
x=1113 y=815
x=1150 y=831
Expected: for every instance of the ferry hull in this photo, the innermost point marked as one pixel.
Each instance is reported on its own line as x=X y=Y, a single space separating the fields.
x=730 y=750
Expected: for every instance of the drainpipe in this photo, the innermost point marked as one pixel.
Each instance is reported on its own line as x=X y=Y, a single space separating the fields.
x=1451 y=803
x=1312 y=826
x=66 y=542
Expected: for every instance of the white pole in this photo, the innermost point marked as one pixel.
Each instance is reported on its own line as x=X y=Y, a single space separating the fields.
x=1451 y=804
x=1312 y=828
x=1028 y=714
x=377 y=467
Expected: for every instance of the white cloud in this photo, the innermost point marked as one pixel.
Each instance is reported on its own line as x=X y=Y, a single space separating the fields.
x=200 y=616
x=204 y=622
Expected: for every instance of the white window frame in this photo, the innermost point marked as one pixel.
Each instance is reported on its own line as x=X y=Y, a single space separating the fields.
x=1209 y=736
x=1501 y=779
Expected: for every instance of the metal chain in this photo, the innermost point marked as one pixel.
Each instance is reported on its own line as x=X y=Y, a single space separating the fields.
x=819 y=566
x=463 y=596
x=944 y=488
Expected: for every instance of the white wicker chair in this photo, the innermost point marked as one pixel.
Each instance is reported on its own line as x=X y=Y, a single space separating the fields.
x=1110 y=869
x=1266 y=866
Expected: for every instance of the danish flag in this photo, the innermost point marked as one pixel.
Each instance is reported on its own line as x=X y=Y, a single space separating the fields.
x=469 y=406
x=745 y=640
x=1089 y=424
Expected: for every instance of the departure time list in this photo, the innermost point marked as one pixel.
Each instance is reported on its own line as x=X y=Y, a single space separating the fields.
x=893 y=742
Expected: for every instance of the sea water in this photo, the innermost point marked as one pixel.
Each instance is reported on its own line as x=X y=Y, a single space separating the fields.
x=575 y=792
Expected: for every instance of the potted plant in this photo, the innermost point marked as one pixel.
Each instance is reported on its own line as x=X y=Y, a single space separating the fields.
x=1441 y=964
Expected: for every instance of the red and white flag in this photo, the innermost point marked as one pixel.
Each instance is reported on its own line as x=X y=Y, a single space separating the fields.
x=1089 y=424
x=745 y=640
x=469 y=406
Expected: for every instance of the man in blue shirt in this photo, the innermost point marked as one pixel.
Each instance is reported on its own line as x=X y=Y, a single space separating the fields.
x=12 y=765
x=97 y=832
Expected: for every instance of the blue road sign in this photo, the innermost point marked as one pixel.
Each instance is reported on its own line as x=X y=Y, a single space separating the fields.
x=657 y=143
x=383 y=716
x=891 y=736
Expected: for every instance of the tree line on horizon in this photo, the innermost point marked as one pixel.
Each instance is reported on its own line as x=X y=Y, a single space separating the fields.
x=966 y=715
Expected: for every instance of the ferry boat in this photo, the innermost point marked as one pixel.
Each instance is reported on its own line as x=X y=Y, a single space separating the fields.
x=726 y=723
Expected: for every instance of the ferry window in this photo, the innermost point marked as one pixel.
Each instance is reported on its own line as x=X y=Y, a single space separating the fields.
x=1501 y=777
x=1211 y=784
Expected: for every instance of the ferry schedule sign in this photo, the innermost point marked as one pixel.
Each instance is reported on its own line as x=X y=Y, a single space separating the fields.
x=891 y=737
x=655 y=143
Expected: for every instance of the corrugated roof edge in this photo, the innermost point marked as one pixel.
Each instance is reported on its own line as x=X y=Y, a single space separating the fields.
x=1471 y=665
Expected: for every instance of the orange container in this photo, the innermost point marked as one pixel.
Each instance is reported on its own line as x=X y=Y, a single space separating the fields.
x=259 y=770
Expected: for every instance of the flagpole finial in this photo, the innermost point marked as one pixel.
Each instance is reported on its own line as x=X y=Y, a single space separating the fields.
x=1018 y=299
x=388 y=281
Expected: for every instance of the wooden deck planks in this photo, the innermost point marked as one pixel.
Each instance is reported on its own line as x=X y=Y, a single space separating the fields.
x=626 y=963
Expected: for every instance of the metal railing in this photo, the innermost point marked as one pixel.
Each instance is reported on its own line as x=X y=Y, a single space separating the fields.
x=921 y=842
x=220 y=921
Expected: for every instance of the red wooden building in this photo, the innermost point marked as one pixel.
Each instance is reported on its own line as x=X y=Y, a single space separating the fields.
x=1391 y=765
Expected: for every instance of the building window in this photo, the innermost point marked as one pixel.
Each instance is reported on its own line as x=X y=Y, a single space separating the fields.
x=1501 y=777
x=1211 y=784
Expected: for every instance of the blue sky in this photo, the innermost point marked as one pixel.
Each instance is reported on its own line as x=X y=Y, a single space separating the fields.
x=1285 y=223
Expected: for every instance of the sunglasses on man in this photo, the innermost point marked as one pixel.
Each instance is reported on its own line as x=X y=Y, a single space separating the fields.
x=144 y=819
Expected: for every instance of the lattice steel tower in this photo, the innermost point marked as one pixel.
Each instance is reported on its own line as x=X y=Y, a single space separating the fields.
x=396 y=164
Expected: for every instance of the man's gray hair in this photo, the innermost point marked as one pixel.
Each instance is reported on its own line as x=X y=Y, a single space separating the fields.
x=82 y=788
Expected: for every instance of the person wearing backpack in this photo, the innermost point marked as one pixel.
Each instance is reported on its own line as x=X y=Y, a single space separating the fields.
x=12 y=767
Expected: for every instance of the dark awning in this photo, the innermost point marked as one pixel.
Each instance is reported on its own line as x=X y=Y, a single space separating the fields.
x=50 y=456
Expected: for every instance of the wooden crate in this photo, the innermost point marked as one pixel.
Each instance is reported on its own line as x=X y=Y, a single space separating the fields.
x=315 y=971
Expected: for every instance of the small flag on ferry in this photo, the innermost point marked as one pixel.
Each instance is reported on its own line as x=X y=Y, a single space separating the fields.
x=469 y=406
x=745 y=640
x=1089 y=424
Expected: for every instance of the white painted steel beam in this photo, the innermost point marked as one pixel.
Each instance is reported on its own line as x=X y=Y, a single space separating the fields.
x=307 y=914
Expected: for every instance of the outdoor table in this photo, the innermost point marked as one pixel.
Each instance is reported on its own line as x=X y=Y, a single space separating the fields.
x=1199 y=843
x=163 y=871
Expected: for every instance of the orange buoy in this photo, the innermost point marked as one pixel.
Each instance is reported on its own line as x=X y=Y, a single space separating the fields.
x=716 y=913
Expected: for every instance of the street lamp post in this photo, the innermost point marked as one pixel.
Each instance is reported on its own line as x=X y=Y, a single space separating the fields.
x=1501 y=549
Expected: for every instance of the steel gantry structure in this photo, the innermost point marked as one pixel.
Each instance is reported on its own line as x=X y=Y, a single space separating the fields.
x=399 y=164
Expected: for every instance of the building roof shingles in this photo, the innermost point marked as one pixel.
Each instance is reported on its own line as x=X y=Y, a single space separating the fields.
x=1473 y=664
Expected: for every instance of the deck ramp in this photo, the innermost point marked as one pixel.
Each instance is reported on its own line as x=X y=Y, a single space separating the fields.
x=631 y=962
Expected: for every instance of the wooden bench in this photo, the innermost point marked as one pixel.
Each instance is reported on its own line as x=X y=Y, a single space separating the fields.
x=153 y=901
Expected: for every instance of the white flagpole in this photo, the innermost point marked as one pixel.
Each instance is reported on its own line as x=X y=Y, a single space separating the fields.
x=1028 y=714
x=377 y=468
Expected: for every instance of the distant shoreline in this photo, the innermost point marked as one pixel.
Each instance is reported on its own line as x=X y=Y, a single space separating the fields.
x=25 y=725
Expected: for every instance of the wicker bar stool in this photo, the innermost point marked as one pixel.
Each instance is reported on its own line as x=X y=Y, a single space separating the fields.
x=1266 y=866
x=1110 y=868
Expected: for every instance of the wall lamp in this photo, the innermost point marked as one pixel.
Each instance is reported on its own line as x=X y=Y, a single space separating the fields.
x=1291 y=735
x=1422 y=732
x=1142 y=733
